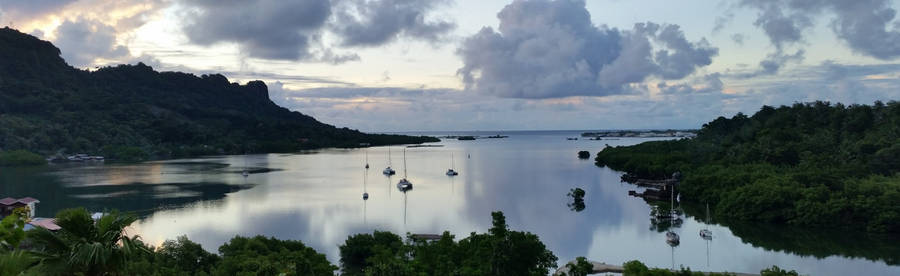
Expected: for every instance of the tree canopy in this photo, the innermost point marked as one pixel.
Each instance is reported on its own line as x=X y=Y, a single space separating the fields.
x=806 y=164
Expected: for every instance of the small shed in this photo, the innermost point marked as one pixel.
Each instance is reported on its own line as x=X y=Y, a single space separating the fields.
x=7 y=205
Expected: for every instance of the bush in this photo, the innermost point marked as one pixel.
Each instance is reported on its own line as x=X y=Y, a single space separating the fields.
x=20 y=158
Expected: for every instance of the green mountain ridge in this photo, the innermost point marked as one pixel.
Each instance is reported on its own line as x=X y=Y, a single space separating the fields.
x=134 y=112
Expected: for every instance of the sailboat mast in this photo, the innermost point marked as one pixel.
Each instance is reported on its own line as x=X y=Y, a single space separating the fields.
x=451 y=160
x=672 y=203
x=389 y=156
x=404 y=163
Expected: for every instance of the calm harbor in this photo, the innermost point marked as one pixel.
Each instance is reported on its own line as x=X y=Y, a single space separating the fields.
x=316 y=197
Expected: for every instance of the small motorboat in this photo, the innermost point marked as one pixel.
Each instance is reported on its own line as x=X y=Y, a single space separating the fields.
x=365 y=196
x=245 y=173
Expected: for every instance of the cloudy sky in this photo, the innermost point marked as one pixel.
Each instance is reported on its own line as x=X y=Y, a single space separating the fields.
x=405 y=65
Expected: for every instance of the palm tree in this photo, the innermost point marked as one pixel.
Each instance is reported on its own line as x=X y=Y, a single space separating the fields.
x=16 y=262
x=84 y=246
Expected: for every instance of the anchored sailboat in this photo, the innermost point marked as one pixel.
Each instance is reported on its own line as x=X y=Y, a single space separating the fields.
x=404 y=184
x=451 y=172
x=705 y=233
x=388 y=171
x=672 y=237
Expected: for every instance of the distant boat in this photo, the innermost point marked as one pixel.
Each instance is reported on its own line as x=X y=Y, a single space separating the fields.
x=705 y=233
x=365 y=196
x=466 y=138
x=367 y=159
x=451 y=172
x=388 y=171
x=245 y=173
x=404 y=185
x=572 y=138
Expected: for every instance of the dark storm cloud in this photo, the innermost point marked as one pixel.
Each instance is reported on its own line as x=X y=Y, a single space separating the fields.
x=547 y=49
x=82 y=41
x=292 y=30
x=373 y=23
x=264 y=29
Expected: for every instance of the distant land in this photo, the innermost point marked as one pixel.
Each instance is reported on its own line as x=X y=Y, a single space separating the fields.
x=131 y=112
x=683 y=133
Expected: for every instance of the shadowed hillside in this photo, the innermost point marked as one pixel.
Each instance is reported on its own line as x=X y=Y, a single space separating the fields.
x=133 y=112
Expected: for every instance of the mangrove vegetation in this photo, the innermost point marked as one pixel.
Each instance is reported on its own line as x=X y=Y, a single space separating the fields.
x=809 y=164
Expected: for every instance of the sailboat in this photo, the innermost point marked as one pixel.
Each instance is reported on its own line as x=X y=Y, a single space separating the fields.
x=451 y=172
x=365 y=191
x=388 y=171
x=367 y=159
x=705 y=233
x=672 y=237
x=404 y=184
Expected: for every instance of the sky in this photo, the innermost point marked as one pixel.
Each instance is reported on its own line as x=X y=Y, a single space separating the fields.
x=424 y=65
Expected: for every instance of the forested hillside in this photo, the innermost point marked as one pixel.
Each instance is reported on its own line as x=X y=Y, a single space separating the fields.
x=134 y=112
x=806 y=164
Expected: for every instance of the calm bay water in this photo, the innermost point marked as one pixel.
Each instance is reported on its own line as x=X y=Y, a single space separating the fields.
x=316 y=197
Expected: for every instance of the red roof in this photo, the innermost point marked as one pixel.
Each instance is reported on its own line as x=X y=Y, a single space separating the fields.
x=49 y=224
x=25 y=200
x=8 y=201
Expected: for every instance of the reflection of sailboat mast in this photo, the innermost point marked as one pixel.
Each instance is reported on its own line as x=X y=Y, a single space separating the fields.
x=673 y=257
x=404 y=209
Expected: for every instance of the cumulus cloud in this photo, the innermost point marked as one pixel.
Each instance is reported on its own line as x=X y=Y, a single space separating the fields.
x=13 y=10
x=82 y=41
x=373 y=23
x=548 y=49
x=780 y=27
x=867 y=26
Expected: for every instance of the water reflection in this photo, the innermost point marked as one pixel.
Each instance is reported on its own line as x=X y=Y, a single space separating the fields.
x=314 y=197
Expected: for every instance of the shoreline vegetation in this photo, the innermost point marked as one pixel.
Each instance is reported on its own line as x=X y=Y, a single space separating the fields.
x=809 y=164
x=134 y=113
x=100 y=246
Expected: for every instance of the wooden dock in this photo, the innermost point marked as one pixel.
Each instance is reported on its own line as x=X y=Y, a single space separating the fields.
x=608 y=268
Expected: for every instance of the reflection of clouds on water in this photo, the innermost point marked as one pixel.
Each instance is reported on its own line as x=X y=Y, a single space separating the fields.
x=315 y=197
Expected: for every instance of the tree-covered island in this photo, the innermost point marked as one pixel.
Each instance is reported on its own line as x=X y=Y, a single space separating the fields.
x=809 y=164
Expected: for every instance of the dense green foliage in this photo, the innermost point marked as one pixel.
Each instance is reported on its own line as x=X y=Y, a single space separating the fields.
x=806 y=164
x=84 y=246
x=636 y=268
x=498 y=252
x=577 y=195
x=584 y=154
x=20 y=158
x=102 y=247
x=132 y=112
x=580 y=267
